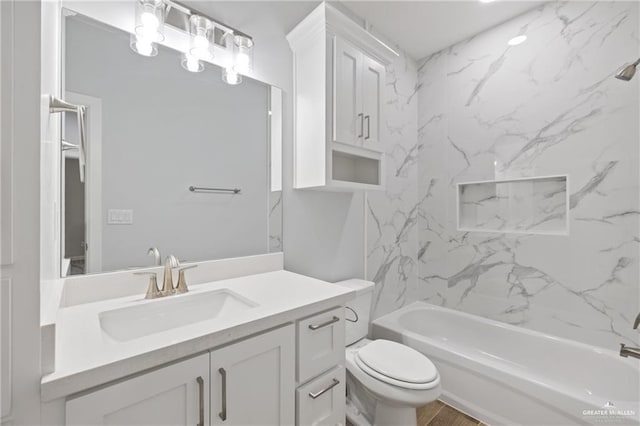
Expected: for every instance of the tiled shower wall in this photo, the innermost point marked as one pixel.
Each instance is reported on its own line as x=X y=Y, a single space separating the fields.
x=392 y=215
x=489 y=111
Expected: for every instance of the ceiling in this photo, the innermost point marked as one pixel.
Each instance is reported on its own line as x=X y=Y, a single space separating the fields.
x=425 y=27
x=418 y=27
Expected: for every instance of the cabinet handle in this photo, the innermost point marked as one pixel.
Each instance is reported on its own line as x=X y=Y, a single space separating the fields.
x=324 y=324
x=361 y=124
x=368 y=118
x=335 y=383
x=223 y=413
x=200 y=381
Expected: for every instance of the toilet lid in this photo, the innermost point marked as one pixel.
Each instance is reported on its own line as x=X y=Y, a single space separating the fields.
x=398 y=362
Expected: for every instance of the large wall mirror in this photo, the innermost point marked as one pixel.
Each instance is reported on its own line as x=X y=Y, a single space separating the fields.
x=153 y=131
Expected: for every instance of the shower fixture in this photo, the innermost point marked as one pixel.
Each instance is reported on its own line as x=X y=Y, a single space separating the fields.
x=627 y=71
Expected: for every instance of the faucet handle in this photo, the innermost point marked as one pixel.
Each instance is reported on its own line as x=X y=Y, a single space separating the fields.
x=157 y=258
x=171 y=261
x=636 y=323
x=152 y=290
x=182 y=282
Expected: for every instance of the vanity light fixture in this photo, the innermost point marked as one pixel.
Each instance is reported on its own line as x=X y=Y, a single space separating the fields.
x=149 y=27
x=517 y=40
x=243 y=53
x=201 y=30
x=205 y=34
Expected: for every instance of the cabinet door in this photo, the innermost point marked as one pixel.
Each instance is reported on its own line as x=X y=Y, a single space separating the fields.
x=322 y=401
x=174 y=395
x=252 y=382
x=348 y=118
x=373 y=76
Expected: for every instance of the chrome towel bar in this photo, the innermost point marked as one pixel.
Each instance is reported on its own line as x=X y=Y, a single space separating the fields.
x=214 y=190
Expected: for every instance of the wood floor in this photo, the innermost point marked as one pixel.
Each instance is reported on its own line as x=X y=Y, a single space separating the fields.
x=437 y=413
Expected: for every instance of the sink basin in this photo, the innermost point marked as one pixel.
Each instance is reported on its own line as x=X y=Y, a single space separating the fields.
x=152 y=317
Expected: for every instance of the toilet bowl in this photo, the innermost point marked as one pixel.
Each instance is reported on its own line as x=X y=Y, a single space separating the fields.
x=386 y=381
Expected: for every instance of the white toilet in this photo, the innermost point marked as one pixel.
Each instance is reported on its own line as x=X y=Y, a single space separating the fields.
x=386 y=381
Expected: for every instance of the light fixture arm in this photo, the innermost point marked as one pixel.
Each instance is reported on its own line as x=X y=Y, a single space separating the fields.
x=177 y=16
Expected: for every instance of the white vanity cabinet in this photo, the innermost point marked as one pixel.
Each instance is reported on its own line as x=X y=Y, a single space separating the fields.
x=293 y=374
x=339 y=71
x=253 y=381
x=173 y=395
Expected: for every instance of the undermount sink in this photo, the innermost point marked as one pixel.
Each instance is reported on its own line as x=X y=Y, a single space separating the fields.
x=152 y=317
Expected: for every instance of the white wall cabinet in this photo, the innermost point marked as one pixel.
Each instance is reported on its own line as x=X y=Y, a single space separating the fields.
x=253 y=383
x=357 y=100
x=173 y=395
x=339 y=71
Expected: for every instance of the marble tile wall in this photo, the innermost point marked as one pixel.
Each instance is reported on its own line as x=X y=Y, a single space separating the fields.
x=275 y=221
x=486 y=110
x=392 y=215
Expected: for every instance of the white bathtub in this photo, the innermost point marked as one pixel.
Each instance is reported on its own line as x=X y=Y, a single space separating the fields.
x=502 y=374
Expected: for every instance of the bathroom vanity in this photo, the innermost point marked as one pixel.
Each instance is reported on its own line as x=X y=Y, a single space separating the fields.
x=255 y=357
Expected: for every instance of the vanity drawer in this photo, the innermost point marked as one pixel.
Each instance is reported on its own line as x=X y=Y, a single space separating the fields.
x=320 y=343
x=322 y=400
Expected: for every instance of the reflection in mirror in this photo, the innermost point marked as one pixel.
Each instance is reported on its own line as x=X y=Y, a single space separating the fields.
x=153 y=130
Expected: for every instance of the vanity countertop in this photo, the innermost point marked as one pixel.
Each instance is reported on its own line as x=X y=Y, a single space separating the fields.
x=86 y=356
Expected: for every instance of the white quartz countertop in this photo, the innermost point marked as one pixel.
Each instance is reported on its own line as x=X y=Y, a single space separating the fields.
x=85 y=356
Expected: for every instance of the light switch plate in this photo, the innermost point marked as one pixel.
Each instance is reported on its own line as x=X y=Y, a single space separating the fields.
x=120 y=217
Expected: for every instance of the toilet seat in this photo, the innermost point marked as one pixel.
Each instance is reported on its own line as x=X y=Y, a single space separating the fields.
x=397 y=365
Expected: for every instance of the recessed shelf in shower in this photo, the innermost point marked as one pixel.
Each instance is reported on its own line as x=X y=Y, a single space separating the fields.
x=536 y=205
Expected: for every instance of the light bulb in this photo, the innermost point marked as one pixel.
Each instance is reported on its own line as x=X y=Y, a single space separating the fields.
x=230 y=76
x=150 y=21
x=242 y=62
x=191 y=63
x=144 y=47
x=200 y=42
x=200 y=47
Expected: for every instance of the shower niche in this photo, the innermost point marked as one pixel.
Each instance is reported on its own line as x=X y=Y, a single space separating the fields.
x=537 y=205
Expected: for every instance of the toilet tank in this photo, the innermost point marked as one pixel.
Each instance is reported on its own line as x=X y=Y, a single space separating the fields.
x=358 y=311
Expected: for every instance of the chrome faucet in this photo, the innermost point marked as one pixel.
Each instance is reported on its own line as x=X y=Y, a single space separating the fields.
x=157 y=258
x=167 y=282
x=627 y=351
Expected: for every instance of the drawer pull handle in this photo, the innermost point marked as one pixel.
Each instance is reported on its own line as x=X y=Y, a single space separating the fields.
x=223 y=413
x=335 y=383
x=361 y=117
x=324 y=324
x=200 y=381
